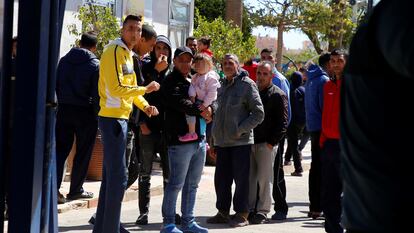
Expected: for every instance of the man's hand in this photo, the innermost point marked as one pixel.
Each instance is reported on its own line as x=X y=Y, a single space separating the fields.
x=207 y=114
x=151 y=110
x=270 y=146
x=162 y=63
x=144 y=129
x=153 y=86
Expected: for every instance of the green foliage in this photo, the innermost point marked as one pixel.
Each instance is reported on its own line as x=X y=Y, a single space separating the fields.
x=323 y=21
x=225 y=38
x=214 y=9
x=98 y=19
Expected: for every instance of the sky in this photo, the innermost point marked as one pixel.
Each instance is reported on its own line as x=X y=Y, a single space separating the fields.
x=291 y=40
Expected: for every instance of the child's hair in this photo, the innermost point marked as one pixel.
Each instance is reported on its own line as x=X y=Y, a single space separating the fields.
x=205 y=40
x=206 y=58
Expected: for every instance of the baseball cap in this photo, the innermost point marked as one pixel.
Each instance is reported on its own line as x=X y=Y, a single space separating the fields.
x=182 y=50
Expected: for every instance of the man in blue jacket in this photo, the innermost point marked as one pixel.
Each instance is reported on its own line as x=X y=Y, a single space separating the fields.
x=317 y=77
x=77 y=93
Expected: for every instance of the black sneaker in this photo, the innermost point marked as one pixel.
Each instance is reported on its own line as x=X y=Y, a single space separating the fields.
x=258 y=219
x=61 y=199
x=218 y=218
x=76 y=196
x=142 y=219
x=238 y=221
x=177 y=219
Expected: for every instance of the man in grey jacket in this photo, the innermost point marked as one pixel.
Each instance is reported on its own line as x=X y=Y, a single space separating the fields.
x=240 y=109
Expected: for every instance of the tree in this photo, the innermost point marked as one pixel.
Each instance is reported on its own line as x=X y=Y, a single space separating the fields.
x=276 y=14
x=213 y=9
x=98 y=19
x=323 y=21
x=234 y=12
x=226 y=38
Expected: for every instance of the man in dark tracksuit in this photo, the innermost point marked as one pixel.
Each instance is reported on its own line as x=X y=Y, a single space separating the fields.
x=77 y=93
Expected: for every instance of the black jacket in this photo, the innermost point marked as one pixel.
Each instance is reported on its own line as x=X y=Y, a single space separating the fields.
x=177 y=104
x=376 y=126
x=275 y=122
x=77 y=78
x=297 y=99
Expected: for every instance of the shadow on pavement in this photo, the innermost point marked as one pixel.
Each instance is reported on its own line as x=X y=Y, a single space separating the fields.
x=75 y=228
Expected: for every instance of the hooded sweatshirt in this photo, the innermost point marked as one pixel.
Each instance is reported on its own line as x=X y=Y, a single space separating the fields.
x=317 y=77
x=155 y=124
x=297 y=98
x=117 y=82
x=77 y=78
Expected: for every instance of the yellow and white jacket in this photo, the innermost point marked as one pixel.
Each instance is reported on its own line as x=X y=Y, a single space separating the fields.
x=117 y=82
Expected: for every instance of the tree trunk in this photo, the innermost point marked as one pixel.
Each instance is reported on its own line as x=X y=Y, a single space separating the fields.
x=279 y=53
x=315 y=41
x=234 y=12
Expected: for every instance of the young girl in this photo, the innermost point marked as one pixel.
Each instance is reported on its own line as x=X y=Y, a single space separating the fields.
x=203 y=90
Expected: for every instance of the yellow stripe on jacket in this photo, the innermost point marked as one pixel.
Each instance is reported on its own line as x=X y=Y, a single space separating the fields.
x=117 y=83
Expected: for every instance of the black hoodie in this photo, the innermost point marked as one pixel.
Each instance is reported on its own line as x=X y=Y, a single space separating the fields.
x=155 y=124
x=77 y=78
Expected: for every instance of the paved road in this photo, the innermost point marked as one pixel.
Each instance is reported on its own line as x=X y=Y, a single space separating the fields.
x=297 y=222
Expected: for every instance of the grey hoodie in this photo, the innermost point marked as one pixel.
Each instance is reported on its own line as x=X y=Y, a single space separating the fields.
x=239 y=111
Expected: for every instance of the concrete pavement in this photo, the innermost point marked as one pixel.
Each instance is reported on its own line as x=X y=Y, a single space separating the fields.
x=297 y=197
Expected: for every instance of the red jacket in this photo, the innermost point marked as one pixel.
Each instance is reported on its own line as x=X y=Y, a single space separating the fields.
x=330 y=112
x=252 y=70
x=208 y=52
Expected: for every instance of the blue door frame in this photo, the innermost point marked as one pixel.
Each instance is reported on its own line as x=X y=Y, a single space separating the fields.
x=31 y=173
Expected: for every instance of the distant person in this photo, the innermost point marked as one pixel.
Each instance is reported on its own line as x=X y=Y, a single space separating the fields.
x=186 y=159
x=77 y=93
x=251 y=67
x=239 y=111
x=279 y=190
x=317 y=77
x=202 y=91
x=376 y=127
x=118 y=90
x=267 y=135
x=152 y=129
x=329 y=142
x=191 y=42
x=297 y=97
x=203 y=46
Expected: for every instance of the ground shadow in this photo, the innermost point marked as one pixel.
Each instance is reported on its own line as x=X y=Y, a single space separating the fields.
x=75 y=228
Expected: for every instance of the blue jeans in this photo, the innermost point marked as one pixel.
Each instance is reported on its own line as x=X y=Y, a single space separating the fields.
x=114 y=175
x=186 y=165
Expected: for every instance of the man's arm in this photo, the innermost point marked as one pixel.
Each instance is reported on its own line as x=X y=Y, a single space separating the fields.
x=111 y=70
x=254 y=104
x=279 y=115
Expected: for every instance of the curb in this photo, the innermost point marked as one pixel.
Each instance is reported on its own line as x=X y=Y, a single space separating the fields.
x=130 y=195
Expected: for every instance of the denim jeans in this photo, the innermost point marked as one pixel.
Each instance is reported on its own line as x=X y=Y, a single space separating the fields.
x=186 y=165
x=114 y=175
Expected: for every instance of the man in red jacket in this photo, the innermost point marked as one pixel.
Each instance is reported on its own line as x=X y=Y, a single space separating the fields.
x=329 y=142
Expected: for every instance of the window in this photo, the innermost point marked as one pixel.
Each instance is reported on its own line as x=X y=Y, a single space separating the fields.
x=179 y=21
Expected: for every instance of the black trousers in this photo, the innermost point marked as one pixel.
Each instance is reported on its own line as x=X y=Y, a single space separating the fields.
x=315 y=178
x=279 y=184
x=149 y=145
x=293 y=133
x=81 y=122
x=331 y=186
x=233 y=163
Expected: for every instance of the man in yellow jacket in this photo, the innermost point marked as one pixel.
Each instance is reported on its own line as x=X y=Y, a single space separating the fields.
x=118 y=90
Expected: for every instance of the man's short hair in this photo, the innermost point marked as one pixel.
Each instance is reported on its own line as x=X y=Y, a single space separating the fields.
x=88 y=40
x=339 y=52
x=324 y=59
x=266 y=50
x=189 y=39
x=148 y=32
x=137 y=18
x=264 y=63
x=232 y=56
